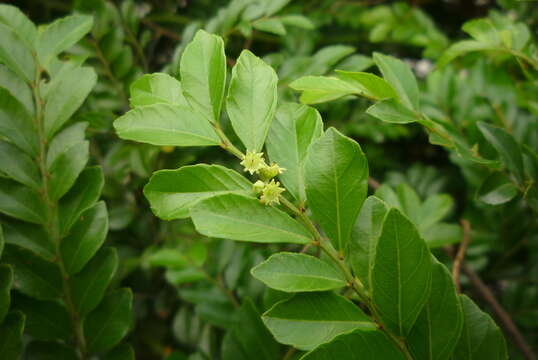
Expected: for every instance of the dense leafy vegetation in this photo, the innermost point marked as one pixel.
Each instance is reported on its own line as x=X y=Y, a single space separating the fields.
x=268 y=179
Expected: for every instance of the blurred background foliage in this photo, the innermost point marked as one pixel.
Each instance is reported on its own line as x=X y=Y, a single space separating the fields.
x=187 y=288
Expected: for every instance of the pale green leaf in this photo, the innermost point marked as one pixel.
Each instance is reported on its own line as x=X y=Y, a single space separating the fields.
x=270 y=25
x=203 y=74
x=368 y=85
x=497 y=189
x=15 y=19
x=17 y=87
x=16 y=123
x=336 y=179
x=294 y=272
x=15 y=54
x=311 y=319
x=156 y=88
x=319 y=89
x=392 y=111
x=166 y=125
x=237 y=217
x=18 y=166
x=171 y=193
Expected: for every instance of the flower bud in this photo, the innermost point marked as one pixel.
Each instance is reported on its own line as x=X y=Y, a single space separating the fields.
x=253 y=162
x=269 y=172
x=271 y=193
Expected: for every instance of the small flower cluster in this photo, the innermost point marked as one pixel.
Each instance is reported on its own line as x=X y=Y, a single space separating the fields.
x=269 y=189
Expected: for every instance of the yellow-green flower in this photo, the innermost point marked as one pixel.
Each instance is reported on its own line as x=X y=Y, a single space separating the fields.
x=271 y=192
x=269 y=172
x=253 y=162
x=258 y=186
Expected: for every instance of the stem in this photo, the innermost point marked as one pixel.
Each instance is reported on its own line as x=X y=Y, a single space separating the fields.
x=226 y=144
x=458 y=260
x=352 y=281
x=51 y=225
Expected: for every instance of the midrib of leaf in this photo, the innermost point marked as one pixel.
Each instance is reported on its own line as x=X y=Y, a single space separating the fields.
x=299 y=275
x=336 y=188
x=350 y=322
x=105 y=324
x=399 y=274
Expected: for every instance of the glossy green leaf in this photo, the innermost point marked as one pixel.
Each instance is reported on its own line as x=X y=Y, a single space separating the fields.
x=166 y=125
x=105 y=326
x=256 y=343
x=15 y=54
x=203 y=74
x=497 y=189
x=11 y=336
x=33 y=276
x=368 y=85
x=16 y=124
x=6 y=280
x=61 y=35
x=171 y=193
x=509 y=150
x=21 y=202
x=67 y=157
x=438 y=327
x=481 y=338
x=364 y=235
x=319 y=89
x=294 y=128
x=270 y=25
x=400 y=279
x=371 y=345
x=18 y=166
x=15 y=19
x=399 y=75
x=251 y=100
x=311 y=319
x=336 y=179
x=392 y=111
x=237 y=217
x=157 y=88
x=85 y=238
x=83 y=194
x=66 y=93
x=295 y=272
x=45 y=320
x=89 y=285
x=30 y=237
x=17 y=87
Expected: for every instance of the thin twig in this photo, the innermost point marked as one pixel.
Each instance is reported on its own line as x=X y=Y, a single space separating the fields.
x=460 y=255
x=374 y=184
x=161 y=30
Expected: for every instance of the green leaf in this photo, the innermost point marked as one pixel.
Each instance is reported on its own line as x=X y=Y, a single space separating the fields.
x=15 y=54
x=371 y=345
x=319 y=89
x=67 y=157
x=293 y=272
x=30 y=237
x=256 y=343
x=364 y=235
x=368 y=85
x=17 y=87
x=105 y=326
x=336 y=179
x=171 y=193
x=442 y=234
x=176 y=258
x=482 y=30
x=251 y=101
x=49 y=350
x=6 y=280
x=45 y=320
x=18 y=166
x=85 y=238
x=203 y=74
x=299 y=21
x=497 y=189
x=463 y=47
x=83 y=194
x=66 y=93
x=481 y=338
x=21 y=202
x=270 y=25
x=157 y=88
x=392 y=111
x=400 y=279
x=88 y=286
x=308 y=320
x=237 y=217
x=294 y=128
x=61 y=35
x=507 y=147
x=33 y=276
x=438 y=327
x=2 y=240
x=399 y=75
x=11 y=336
x=434 y=209
x=16 y=124
x=166 y=125
x=19 y=23
x=121 y=352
